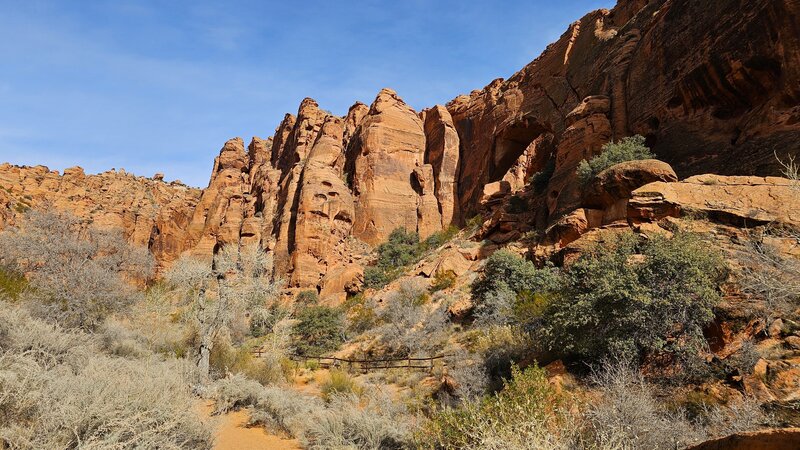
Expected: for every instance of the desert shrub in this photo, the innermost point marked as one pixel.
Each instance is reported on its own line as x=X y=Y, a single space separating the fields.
x=474 y=223
x=59 y=391
x=227 y=359
x=769 y=274
x=443 y=279
x=307 y=298
x=790 y=168
x=319 y=329
x=628 y=414
x=517 y=204
x=117 y=339
x=468 y=372
x=746 y=358
x=628 y=149
x=283 y=410
x=539 y=180
x=154 y=322
x=399 y=250
x=527 y=412
x=12 y=284
x=234 y=392
x=338 y=382
x=371 y=421
x=360 y=314
x=376 y=277
x=437 y=239
x=737 y=416
x=500 y=346
x=264 y=318
x=410 y=324
x=507 y=280
x=626 y=297
x=78 y=275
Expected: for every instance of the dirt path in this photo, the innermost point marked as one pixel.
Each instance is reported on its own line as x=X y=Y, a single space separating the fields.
x=233 y=434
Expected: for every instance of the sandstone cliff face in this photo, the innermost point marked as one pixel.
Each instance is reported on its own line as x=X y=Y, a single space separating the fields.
x=388 y=148
x=713 y=86
x=443 y=154
x=149 y=212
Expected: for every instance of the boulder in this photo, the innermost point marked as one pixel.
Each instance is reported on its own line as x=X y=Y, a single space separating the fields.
x=772 y=439
x=619 y=181
x=741 y=200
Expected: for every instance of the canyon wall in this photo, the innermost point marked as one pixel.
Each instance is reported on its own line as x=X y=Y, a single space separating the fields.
x=713 y=86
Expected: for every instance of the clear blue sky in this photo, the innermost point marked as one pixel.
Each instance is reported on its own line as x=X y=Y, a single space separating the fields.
x=158 y=86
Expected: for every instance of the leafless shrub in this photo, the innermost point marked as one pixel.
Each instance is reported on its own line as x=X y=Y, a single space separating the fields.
x=469 y=373
x=117 y=339
x=234 y=392
x=770 y=275
x=411 y=324
x=57 y=391
x=737 y=417
x=629 y=416
x=746 y=358
x=78 y=274
x=373 y=421
x=283 y=410
x=370 y=421
x=791 y=169
x=156 y=321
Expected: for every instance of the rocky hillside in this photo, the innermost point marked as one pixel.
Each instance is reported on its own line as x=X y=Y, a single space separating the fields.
x=713 y=87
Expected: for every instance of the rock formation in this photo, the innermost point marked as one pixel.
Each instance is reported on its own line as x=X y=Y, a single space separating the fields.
x=149 y=212
x=388 y=148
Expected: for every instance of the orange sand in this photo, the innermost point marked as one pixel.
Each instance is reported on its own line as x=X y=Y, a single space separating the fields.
x=232 y=433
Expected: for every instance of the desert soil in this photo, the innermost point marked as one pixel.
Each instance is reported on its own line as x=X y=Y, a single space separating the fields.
x=232 y=433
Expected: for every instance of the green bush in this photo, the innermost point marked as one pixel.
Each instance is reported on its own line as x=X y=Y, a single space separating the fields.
x=517 y=204
x=360 y=314
x=377 y=277
x=437 y=239
x=319 y=329
x=528 y=402
x=338 y=382
x=11 y=283
x=444 y=279
x=627 y=297
x=307 y=298
x=401 y=249
x=509 y=282
x=628 y=149
x=539 y=180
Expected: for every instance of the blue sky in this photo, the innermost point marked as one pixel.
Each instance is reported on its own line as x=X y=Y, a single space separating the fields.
x=158 y=86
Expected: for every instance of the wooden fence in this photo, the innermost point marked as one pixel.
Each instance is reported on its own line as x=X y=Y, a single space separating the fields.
x=365 y=365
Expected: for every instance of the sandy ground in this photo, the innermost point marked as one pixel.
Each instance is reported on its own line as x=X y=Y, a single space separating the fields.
x=233 y=434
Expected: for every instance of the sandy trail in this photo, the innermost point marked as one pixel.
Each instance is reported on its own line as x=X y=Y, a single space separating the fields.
x=232 y=433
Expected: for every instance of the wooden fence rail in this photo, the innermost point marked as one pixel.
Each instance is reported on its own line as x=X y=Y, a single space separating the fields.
x=364 y=365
